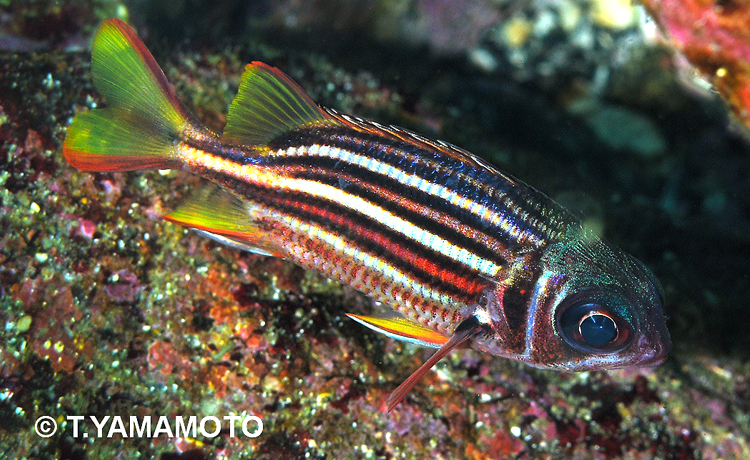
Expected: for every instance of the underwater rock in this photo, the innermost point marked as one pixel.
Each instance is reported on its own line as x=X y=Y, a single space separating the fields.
x=715 y=37
x=623 y=129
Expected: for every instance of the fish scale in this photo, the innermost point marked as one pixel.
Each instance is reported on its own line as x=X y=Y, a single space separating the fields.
x=296 y=191
x=449 y=204
x=463 y=253
x=437 y=174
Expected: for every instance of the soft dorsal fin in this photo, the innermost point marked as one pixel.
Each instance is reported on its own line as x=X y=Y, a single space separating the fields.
x=222 y=216
x=267 y=105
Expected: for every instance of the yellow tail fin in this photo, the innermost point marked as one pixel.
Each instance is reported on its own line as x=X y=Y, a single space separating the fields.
x=143 y=120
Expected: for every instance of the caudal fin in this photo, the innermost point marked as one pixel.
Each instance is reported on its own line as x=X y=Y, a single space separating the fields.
x=143 y=118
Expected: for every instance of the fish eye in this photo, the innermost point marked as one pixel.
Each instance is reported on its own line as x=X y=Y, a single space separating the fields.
x=592 y=325
x=597 y=329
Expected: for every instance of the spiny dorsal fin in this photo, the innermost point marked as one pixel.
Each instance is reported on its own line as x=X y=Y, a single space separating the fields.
x=267 y=105
x=225 y=218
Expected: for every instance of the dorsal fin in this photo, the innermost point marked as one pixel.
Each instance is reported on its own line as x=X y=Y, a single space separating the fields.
x=410 y=137
x=267 y=105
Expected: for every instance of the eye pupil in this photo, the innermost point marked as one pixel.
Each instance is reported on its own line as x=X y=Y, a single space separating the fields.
x=595 y=323
x=597 y=329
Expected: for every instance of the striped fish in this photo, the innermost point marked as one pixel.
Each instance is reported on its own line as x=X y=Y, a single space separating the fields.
x=463 y=253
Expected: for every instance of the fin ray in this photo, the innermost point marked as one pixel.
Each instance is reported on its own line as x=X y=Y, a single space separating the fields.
x=225 y=218
x=144 y=119
x=267 y=105
x=402 y=329
x=235 y=243
x=467 y=329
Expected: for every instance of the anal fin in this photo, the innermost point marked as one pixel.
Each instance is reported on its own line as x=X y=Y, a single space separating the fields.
x=223 y=217
x=242 y=245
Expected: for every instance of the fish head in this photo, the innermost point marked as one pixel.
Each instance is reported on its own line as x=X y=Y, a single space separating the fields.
x=591 y=307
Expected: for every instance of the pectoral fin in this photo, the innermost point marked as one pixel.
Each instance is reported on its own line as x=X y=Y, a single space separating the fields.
x=464 y=331
x=402 y=329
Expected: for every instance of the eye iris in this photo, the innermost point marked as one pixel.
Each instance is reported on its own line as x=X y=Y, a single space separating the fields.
x=597 y=329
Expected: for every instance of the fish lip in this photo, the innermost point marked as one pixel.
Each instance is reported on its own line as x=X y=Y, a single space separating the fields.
x=655 y=352
x=654 y=360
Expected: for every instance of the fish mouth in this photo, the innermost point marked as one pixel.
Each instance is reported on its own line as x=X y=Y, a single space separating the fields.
x=653 y=361
x=654 y=352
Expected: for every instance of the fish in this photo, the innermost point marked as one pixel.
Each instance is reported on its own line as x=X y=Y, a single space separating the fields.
x=464 y=254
